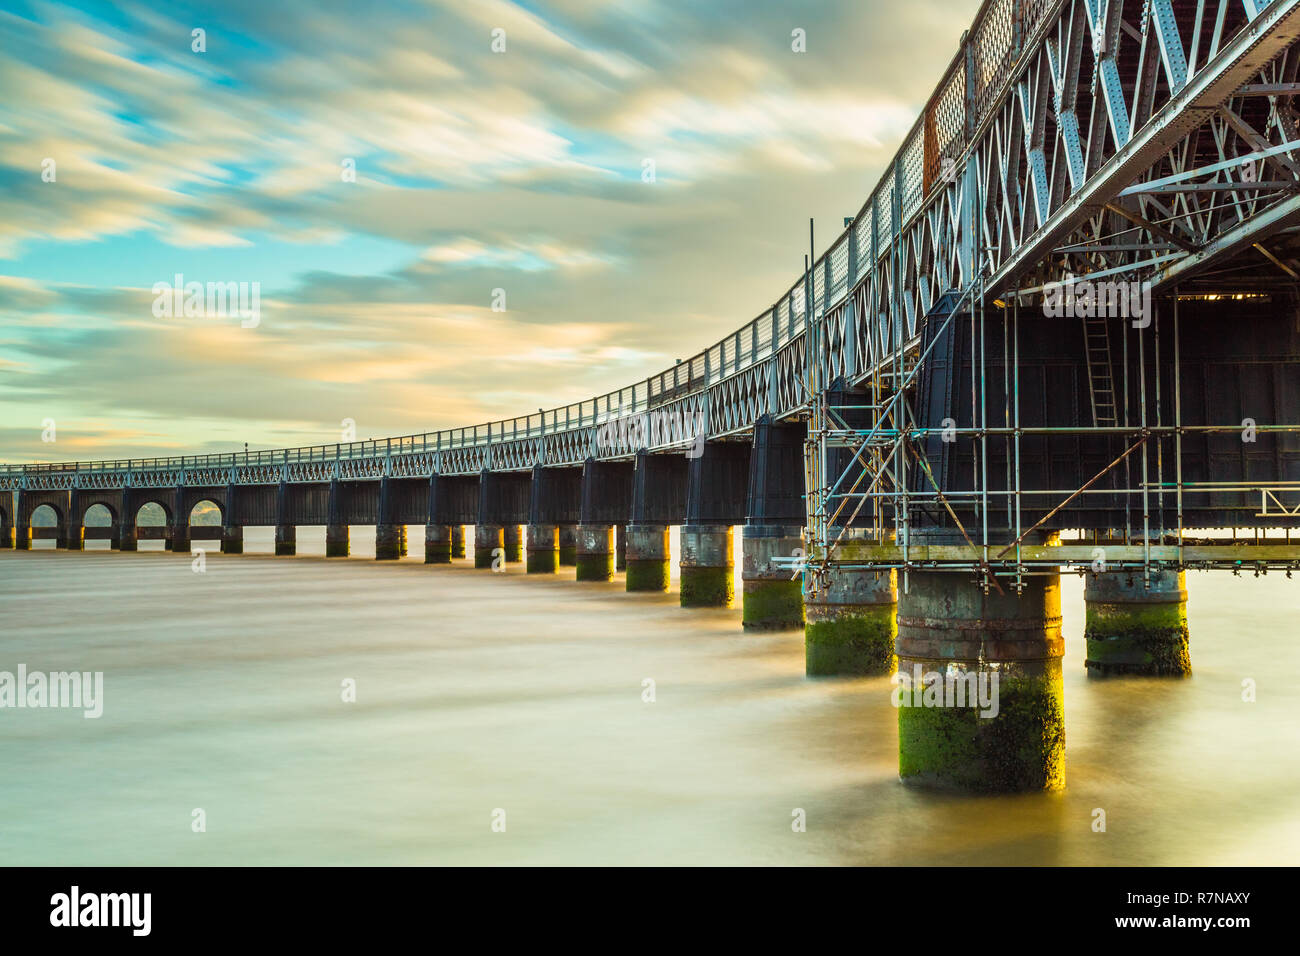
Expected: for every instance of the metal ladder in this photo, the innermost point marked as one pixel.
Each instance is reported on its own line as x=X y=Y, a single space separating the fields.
x=1101 y=384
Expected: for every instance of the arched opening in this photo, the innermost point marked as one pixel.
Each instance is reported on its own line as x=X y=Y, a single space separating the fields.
x=98 y=523
x=47 y=526
x=206 y=519
x=151 y=522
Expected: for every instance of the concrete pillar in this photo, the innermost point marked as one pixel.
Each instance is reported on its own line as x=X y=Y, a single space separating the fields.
x=774 y=510
x=543 y=548
x=489 y=543
x=512 y=540
x=595 y=552
x=1132 y=630
x=74 y=534
x=6 y=534
x=707 y=567
x=620 y=547
x=852 y=625
x=568 y=544
x=180 y=523
x=232 y=539
x=649 y=561
x=390 y=537
x=338 y=541
x=22 y=528
x=286 y=534
x=127 y=539
x=390 y=541
x=772 y=597
x=437 y=543
x=458 y=541
x=1002 y=649
x=232 y=529
x=286 y=539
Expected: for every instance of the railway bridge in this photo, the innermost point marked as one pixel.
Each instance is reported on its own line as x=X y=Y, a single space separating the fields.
x=1061 y=335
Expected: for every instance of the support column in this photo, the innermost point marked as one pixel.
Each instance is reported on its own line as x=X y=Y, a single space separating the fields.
x=232 y=531
x=22 y=525
x=595 y=552
x=543 y=548
x=437 y=543
x=772 y=597
x=6 y=528
x=707 y=566
x=979 y=685
x=717 y=491
x=852 y=625
x=488 y=538
x=649 y=561
x=568 y=544
x=180 y=523
x=1132 y=630
x=620 y=547
x=338 y=541
x=126 y=537
x=74 y=533
x=458 y=541
x=512 y=540
x=390 y=537
x=286 y=535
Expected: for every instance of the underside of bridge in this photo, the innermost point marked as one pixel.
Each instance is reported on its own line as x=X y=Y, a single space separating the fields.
x=1063 y=334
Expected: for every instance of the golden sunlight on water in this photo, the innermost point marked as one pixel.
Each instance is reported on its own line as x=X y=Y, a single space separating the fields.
x=478 y=691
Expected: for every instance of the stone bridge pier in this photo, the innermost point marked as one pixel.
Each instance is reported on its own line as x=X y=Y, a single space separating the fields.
x=979 y=687
x=773 y=596
x=716 y=486
x=1133 y=628
x=606 y=504
x=555 y=500
x=658 y=501
x=503 y=504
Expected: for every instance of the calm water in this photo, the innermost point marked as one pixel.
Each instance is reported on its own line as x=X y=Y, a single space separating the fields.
x=479 y=691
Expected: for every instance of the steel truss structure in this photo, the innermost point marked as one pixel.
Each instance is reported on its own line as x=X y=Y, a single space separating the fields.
x=1149 y=141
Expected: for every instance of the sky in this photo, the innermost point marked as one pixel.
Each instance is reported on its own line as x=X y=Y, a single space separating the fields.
x=380 y=169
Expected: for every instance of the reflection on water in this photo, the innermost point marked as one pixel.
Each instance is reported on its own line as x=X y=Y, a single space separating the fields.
x=479 y=691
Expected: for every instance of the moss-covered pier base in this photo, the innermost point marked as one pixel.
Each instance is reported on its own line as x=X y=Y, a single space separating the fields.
x=512 y=539
x=707 y=566
x=595 y=558
x=979 y=685
x=568 y=545
x=390 y=541
x=437 y=544
x=648 y=557
x=771 y=597
x=338 y=541
x=488 y=538
x=851 y=625
x=543 y=549
x=1131 y=628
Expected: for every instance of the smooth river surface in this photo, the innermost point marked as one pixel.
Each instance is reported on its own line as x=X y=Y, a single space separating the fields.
x=479 y=691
